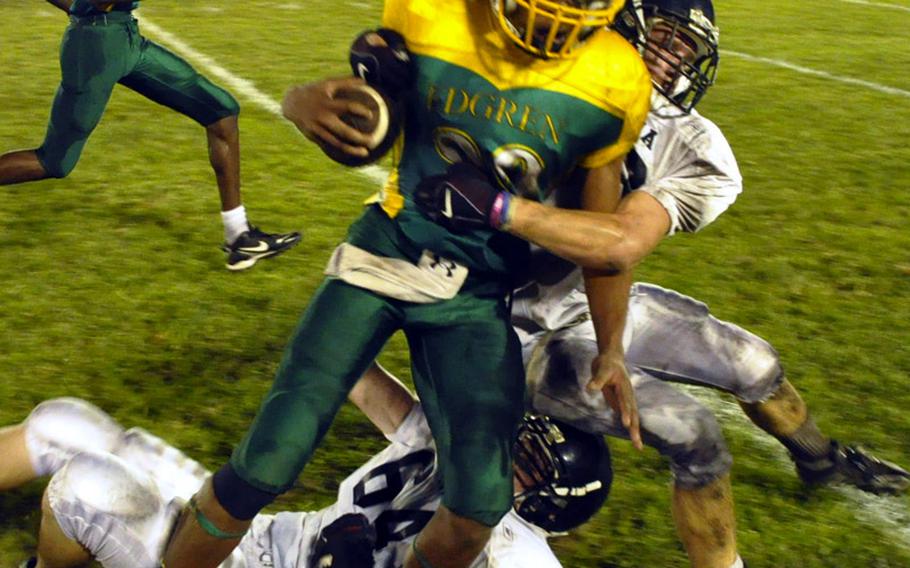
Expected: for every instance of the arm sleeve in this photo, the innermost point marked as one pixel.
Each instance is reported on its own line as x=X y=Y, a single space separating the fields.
x=696 y=177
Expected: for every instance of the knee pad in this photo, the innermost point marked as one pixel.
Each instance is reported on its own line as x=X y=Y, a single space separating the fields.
x=106 y=484
x=58 y=429
x=762 y=371
x=176 y=475
x=112 y=509
x=699 y=455
x=237 y=496
x=58 y=165
x=217 y=103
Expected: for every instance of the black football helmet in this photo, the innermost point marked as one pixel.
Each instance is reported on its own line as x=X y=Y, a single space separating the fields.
x=653 y=26
x=566 y=474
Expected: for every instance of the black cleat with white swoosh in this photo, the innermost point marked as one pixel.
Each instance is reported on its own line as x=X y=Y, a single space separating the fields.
x=253 y=245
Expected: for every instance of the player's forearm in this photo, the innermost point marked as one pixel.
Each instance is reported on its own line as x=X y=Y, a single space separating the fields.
x=62 y=4
x=599 y=241
x=608 y=301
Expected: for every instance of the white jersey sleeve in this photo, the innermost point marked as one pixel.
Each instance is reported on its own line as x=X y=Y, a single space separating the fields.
x=689 y=168
x=517 y=544
x=686 y=164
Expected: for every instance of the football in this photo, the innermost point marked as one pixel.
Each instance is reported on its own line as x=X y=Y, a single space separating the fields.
x=383 y=126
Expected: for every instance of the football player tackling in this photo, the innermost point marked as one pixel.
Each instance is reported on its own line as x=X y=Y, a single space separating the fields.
x=506 y=95
x=680 y=176
x=115 y=494
x=103 y=47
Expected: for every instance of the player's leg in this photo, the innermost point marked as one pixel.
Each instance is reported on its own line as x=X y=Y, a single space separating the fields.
x=100 y=506
x=339 y=336
x=54 y=432
x=672 y=422
x=17 y=468
x=20 y=166
x=224 y=154
x=676 y=338
x=55 y=549
x=469 y=378
x=91 y=62
x=165 y=78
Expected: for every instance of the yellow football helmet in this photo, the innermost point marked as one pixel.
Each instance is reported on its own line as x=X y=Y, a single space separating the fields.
x=553 y=28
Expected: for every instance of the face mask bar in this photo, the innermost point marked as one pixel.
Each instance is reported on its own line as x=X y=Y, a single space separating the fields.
x=551 y=29
x=691 y=78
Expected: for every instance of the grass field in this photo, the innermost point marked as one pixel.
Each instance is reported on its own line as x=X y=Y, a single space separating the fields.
x=114 y=290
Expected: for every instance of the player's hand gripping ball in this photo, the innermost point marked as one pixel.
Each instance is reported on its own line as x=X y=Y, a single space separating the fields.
x=352 y=122
x=382 y=126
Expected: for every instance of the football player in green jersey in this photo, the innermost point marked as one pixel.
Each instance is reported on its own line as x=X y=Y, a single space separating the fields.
x=102 y=47
x=511 y=95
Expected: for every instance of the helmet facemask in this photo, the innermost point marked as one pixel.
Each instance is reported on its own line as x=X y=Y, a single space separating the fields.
x=563 y=473
x=680 y=50
x=553 y=29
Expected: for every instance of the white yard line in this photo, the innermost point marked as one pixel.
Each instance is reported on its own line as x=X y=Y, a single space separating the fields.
x=888 y=513
x=821 y=74
x=238 y=85
x=880 y=512
x=879 y=5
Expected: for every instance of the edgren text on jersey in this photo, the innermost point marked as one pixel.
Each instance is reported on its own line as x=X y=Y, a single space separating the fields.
x=526 y=120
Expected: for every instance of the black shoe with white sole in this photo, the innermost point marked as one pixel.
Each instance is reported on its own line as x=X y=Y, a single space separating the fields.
x=253 y=245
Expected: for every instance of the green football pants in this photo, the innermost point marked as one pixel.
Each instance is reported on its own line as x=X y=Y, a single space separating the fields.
x=99 y=52
x=467 y=368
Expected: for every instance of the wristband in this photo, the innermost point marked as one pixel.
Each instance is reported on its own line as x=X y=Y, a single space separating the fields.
x=208 y=526
x=501 y=212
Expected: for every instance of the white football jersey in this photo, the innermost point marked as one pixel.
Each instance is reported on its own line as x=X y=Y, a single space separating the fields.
x=398 y=490
x=685 y=163
x=120 y=495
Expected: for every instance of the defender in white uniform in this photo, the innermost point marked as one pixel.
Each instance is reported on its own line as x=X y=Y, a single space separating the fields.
x=117 y=493
x=683 y=170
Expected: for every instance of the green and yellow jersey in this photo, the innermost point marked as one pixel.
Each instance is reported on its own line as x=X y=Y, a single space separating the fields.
x=527 y=121
x=85 y=8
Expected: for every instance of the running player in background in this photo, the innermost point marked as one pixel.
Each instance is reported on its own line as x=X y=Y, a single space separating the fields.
x=103 y=47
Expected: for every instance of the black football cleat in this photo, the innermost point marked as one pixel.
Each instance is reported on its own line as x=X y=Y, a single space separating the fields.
x=29 y=563
x=253 y=245
x=348 y=542
x=852 y=465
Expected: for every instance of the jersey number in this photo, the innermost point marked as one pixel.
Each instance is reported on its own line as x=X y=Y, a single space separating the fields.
x=517 y=167
x=394 y=525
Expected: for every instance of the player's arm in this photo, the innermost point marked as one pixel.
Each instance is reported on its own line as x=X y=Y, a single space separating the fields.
x=62 y=4
x=608 y=299
x=316 y=112
x=607 y=240
x=382 y=398
x=612 y=242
